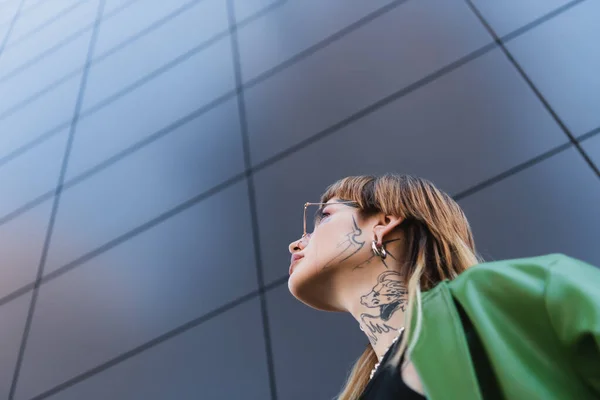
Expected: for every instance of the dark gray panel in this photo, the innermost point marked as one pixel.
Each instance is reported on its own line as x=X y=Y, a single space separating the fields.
x=248 y=8
x=3 y=31
x=551 y=207
x=562 y=59
x=293 y=28
x=310 y=346
x=27 y=4
x=33 y=18
x=158 y=280
x=13 y=317
x=592 y=148
x=458 y=131
x=192 y=365
x=35 y=172
x=188 y=161
x=7 y=12
x=508 y=15
x=153 y=106
x=42 y=76
x=112 y=7
x=49 y=39
x=132 y=20
x=389 y=53
x=77 y=17
x=21 y=242
x=50 y=111
x=157 y=48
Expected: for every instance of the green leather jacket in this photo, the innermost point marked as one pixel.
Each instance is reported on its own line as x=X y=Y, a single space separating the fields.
x=538 y=320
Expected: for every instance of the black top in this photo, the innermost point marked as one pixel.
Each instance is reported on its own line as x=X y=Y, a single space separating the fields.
x=387 y=382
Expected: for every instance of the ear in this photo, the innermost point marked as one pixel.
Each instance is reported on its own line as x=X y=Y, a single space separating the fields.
x=385 y=225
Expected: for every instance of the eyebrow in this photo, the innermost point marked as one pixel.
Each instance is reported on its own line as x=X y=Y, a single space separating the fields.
x=317 y=217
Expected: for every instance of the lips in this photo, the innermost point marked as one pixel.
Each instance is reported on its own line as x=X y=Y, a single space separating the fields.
x=294 y=259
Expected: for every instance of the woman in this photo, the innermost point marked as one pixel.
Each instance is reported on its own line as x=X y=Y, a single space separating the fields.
x=398 y=254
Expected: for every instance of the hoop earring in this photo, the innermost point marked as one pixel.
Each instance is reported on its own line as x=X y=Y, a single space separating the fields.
x=378 y=251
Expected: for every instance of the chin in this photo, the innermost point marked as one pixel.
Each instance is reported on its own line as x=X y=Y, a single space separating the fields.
x=310 y=291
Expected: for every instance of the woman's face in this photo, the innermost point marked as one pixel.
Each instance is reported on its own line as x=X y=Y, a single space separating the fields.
x=340 y=241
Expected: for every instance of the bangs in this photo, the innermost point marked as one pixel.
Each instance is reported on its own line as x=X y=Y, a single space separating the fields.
x=359 y=189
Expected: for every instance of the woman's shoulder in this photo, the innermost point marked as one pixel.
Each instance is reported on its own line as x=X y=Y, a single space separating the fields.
x=523 y=276
x=541 y=261
x=527 y=267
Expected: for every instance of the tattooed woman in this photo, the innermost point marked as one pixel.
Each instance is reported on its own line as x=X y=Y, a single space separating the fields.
x=398 y=254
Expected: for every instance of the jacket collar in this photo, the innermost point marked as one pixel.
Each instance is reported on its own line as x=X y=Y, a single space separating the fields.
x=441 y=354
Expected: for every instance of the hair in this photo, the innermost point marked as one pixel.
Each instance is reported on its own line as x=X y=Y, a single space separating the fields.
x=439 y=246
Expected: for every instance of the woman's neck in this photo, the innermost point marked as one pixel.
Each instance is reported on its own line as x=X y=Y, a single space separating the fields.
x=377 y=301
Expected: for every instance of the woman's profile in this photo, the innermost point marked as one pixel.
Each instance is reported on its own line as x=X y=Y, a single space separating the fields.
x=398 y=254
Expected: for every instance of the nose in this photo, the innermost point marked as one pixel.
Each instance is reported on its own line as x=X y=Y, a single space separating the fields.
x=299 y=244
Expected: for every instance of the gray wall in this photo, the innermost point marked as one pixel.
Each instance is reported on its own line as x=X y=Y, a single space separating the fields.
x=155 y=156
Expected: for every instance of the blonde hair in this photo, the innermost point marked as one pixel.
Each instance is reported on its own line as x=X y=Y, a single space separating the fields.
x=439 y=246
